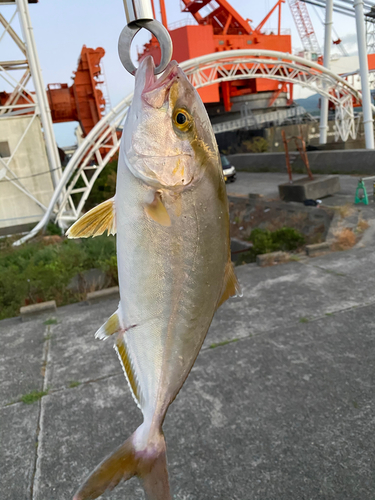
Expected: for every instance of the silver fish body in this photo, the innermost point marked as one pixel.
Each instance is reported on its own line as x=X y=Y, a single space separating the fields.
x=173 y=295
x=173 y=251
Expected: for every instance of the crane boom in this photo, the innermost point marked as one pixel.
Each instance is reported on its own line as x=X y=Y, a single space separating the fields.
x=304 y=26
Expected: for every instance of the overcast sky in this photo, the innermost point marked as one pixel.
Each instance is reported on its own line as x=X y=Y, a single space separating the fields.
x=62 y=27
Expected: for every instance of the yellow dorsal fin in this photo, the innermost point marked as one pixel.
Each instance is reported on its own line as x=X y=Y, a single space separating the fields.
x=157 y=211
x=95 y=222
x=231 y=286
x=111 y=326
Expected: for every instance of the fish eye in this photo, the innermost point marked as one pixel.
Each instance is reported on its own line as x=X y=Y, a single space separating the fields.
x=181 y=119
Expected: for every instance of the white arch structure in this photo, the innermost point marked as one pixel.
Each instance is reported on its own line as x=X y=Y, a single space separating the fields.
x=102 y=142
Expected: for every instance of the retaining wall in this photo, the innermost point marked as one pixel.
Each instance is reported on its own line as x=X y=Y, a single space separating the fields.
x=352 y=161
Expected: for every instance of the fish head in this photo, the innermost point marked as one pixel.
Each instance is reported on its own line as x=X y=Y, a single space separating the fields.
x=168 y=135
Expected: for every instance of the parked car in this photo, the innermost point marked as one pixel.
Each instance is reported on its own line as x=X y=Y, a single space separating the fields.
x=229 y=170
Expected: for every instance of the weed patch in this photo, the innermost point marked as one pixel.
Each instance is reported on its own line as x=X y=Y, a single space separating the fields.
x=345 y=210
x=253 y=145
x=285 y=239
x=344 y=239
x=74 y=383
x=51 y=321
x=330 y=271
x=40 y=271
x=32 y=397
x=225 y=342
x=303 y=320
x=362 y=225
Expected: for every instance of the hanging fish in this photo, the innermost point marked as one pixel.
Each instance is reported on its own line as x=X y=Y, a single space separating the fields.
x=170 y=213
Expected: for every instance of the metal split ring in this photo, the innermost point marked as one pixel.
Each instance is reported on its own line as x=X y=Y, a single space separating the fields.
x=154 y=27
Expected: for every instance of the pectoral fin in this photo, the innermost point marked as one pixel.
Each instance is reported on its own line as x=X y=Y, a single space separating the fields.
x=157 y=211
x=95 y=222
x=231 y=286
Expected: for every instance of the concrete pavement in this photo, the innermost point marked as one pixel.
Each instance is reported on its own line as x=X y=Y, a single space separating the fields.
x=279 y=405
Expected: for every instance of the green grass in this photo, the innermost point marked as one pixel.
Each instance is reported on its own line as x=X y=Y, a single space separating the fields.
x=51 y=321
x=39 y=271
x=224 y=342
x=330 y=271
x=74 y=383
x=286 y=239
x=295 y=258
x=329 y=314
x=32 y=397
x=303 y=320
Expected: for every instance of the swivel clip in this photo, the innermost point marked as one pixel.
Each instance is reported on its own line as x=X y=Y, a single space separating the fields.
x=139 y=15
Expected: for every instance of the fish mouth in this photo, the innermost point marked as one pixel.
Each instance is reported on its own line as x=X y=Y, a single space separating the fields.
x=155 y=89
x=169 y=74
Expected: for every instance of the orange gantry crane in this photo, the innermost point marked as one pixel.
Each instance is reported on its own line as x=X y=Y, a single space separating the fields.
x=221 y=29
x=83 y=101
x=210 y=30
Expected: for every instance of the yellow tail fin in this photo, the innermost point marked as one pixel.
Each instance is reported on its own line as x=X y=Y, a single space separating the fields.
x=149 y=464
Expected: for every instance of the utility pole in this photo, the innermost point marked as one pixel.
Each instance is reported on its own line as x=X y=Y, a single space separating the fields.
x=363 y=70
x=327 y=63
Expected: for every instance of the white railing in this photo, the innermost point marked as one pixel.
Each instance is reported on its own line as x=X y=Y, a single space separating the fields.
x=190 y=21
x=202 y=71
x=273 y=31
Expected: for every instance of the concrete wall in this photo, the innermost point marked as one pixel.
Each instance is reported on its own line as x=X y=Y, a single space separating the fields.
x=355 y=161
x=310 y=133
x=30 y=164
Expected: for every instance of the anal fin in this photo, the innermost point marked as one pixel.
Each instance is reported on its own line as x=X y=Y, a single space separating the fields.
x=127 y=366
x=113 y=325
x=95 y=221
x=231 y=286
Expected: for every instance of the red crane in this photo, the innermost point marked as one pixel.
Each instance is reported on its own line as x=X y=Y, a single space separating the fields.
x=83 y=101
x=305 y=28
x=222 y=28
